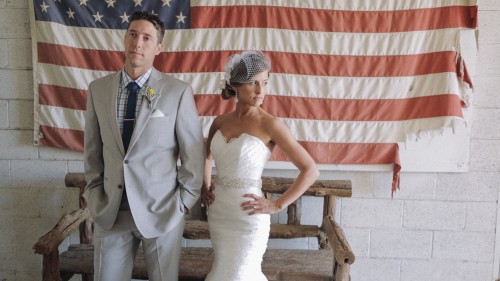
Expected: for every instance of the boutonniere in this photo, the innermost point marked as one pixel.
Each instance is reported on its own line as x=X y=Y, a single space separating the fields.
x=150 y=95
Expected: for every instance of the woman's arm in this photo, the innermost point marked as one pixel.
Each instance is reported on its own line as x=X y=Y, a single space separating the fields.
x=282 y=137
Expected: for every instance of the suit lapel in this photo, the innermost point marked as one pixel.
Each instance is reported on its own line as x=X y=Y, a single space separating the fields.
x=112 y=96
x=145 y=111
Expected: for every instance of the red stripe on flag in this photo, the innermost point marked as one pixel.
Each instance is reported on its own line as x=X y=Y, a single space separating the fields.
x=333 y=20
x=62 y=96
x=292 y=63
x=80 y=58
x=343 y=109
x=62 y=138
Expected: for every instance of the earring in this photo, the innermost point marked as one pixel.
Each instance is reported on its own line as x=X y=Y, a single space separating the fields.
x=236 y=97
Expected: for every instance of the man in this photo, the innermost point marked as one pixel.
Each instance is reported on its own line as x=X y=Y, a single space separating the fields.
x=135 y=191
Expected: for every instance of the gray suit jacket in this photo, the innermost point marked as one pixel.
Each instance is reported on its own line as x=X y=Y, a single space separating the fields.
x=157 y=189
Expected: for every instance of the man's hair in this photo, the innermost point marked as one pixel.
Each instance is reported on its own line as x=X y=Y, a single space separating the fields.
x=152 y=18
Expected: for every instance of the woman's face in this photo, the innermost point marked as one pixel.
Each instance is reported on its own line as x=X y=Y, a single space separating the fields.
x=253 y=91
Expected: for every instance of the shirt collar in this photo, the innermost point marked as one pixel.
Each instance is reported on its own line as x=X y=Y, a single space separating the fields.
x=140 y=81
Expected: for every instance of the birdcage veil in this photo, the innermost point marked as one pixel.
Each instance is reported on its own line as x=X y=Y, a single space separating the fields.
x=240 y=68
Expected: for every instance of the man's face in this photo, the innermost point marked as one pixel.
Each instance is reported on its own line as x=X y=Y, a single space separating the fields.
x=141 y=45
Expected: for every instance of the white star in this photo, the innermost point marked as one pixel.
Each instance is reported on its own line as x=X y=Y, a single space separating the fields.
x=44 y=7
x=71 y=14
x=83 y=2
x=97 y=17
x=153 y=13
x=166 y=2
x=124 y=17
x=180 y=18
x=111 y=3
x=137 y=3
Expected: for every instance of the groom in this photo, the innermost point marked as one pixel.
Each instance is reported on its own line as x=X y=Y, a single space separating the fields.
x=139 y=123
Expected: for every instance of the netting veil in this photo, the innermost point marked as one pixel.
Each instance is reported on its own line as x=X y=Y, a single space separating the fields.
x=240 y=68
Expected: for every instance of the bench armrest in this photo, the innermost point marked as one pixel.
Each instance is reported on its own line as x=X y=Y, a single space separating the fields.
x=66 y=225
x=341 y=249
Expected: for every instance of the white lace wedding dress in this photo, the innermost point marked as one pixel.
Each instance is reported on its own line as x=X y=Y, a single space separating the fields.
x=239 y=240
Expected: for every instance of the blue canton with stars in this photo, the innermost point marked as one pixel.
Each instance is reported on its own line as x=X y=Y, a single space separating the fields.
x=111 y=14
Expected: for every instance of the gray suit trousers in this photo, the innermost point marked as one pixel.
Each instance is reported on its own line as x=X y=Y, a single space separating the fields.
x=115 y=250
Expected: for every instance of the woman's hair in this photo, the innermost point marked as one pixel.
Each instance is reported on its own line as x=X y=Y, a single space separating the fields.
x=240 y=68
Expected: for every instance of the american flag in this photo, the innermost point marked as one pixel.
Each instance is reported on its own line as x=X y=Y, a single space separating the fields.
x=351 y=78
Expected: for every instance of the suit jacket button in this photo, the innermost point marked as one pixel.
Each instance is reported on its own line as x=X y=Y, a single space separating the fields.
x=120 y=186
x=126 y=161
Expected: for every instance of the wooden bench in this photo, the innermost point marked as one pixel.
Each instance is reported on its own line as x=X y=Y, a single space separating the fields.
x=330 y=262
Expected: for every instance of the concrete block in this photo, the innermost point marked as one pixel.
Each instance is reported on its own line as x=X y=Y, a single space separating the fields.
x=465 y=246
x=362 y=182
x=488 y=61
x=56 y=202
x=198 y=243
x=312 y=210
x=471 y=186
x=359 y=240
x=20 y=202
x=21 y=114
x=368 y=213
x=434 y=215
x=477 y=271
x=17 y=144
x=365 y=269
x=75 y=167
x=400 y=244
x=14 y=23
x=4 y=114
x=489 y=5
x=5 y=173
x=53 y=153
x=484 y=155
x=6 y=231
x=4 y=54
x=7 y=263
x=39 y=173
x=481 y=216
x=28 y=230
x=312 y=244
x=485 y=123
x=20 y=84
x=20 y=54
x=488 y=25
x=430 y=270
x=486 y=89
x=9 y=275
x=27 y=261
x=412 y=185
x=16 y=4
x=296 y=243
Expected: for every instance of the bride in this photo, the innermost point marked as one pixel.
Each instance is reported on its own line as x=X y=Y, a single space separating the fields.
x=240 y=143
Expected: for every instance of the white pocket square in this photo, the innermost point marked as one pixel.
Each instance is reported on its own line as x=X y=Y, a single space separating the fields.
x=157 y=113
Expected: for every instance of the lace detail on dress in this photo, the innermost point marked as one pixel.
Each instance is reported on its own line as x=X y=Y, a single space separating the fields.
x=227 y=183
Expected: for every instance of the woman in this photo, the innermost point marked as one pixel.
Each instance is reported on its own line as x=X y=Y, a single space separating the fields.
x=241 y=143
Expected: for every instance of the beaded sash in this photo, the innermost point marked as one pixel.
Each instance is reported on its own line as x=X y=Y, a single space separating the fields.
x=241 y=183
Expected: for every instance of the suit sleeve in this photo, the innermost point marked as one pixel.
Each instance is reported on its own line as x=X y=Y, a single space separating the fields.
x=191 y=149
x=93 y=156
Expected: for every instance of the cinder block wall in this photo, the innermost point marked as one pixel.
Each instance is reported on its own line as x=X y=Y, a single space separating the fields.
x=438 y=227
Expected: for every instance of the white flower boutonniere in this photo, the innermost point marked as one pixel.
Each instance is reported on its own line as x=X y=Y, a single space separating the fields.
x=150 y=95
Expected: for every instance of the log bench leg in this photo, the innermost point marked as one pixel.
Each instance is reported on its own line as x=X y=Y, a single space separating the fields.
x=51 y=266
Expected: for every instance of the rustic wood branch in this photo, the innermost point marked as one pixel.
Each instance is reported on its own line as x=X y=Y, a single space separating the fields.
x=342 y=250
x=320 y=188
x=294 y=212
x=197 y=229
x=67 y=224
